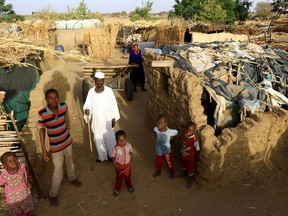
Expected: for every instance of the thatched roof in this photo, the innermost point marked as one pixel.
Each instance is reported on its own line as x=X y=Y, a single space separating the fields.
x=30 y=41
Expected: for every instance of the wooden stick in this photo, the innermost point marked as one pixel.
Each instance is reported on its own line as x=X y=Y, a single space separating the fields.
x=35 y=181
x=90 y=144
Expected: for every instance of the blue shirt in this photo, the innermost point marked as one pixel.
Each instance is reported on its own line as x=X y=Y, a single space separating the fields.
x=163 y=140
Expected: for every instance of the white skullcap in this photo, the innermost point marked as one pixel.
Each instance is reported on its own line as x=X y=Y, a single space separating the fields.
x=99 y=75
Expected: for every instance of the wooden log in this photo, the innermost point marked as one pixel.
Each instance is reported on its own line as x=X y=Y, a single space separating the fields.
x=7 y=135
x=8 y=139
x=88 y=71
x=3 y=142
x=111 y=74
x=39 y=190
x=162 y=63
x=9 y=145
x=114 y=66
x=7 y=132
x=9 y=148
x=6 y=121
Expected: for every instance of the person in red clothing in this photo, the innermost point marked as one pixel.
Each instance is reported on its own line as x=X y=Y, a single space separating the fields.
x=189 y=153
x=121 y=155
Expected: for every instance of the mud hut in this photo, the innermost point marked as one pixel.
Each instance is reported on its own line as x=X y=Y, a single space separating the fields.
x=252 y=148
x=90 y=37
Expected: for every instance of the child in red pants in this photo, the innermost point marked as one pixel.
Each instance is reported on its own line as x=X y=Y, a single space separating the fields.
x=163 y=146
x=121 y=155
x=189 y=153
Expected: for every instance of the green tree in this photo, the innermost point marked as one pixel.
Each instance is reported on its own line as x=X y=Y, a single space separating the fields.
x=279 y=7
x=7 y=14
x=213 y=12
x=143 y=12
x=209 y=10
x=242 y=10
x=229 y=7
x=188 y=9
x=6 y=8
x=46 y=13
x=263 y=10
x=81 y=12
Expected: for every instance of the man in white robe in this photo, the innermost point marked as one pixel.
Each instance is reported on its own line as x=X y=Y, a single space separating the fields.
x=101 y=108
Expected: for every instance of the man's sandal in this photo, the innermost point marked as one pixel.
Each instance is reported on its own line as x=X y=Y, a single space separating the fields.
x=53 y=201
x=76 y=183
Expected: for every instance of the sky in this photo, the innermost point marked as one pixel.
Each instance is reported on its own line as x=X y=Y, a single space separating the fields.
x=102 y=6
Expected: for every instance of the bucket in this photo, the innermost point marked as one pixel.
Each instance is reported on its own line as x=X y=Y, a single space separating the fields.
x=59 y=48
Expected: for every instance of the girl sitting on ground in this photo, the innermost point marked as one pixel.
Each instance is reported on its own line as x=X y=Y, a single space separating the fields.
x=17 y=188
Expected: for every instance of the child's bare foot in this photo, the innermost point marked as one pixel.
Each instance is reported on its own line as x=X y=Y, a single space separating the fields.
x=53 y=201
x=131 y=189
x=76 y=183
x=157 y=173
x=189 y=182
x=116 y=193
x=182 y=174
x=172 y=174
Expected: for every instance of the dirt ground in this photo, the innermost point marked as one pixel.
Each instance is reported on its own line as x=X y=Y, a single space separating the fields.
x=153 y=196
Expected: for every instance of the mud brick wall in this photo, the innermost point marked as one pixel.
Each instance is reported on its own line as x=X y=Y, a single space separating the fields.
x=56 y=79
x=254 y=150
x=175 y=93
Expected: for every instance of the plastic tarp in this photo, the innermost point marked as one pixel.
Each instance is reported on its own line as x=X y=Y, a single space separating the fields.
x=18 y=81
x=248 y=75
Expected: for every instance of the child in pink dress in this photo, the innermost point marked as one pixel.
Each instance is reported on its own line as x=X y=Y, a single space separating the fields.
x=121 y=155
x=17 y=188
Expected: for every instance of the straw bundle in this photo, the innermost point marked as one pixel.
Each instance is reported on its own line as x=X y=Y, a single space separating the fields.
x=14 y=49
x=38 y=31
x=170 y=35
x=102 y=41
x=30 y=41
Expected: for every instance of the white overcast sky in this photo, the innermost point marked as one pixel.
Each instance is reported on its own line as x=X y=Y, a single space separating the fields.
x=103 y=6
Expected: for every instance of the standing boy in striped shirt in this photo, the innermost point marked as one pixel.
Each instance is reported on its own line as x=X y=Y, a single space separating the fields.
x=52 y=119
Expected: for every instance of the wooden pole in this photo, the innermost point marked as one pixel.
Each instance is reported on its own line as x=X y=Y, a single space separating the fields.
x=91 y=145
x=34 y=179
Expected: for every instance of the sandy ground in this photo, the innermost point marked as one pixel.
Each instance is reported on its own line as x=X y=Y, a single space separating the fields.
x=153 y=196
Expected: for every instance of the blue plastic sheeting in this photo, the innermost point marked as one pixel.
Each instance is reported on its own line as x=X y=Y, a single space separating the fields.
x=143 y=45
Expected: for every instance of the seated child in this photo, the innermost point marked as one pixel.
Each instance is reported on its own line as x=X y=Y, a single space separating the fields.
x=189 y=153
x=17 y=188
x=121 y=155
x=163 y=146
